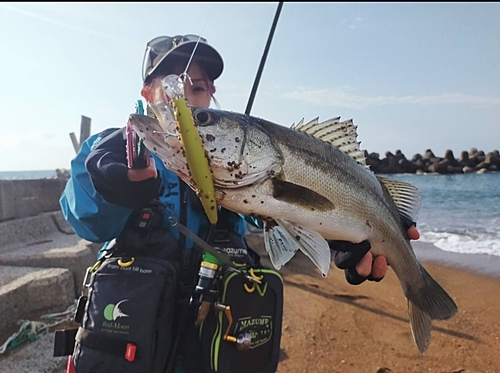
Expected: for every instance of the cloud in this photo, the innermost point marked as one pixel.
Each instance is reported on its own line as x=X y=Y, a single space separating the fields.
x=358 y=22
x=53 y=21
x=342 y=98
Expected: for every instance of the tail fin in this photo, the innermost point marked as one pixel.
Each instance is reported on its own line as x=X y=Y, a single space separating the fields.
x=434 y=300
x=425 y=304
x=420 y=325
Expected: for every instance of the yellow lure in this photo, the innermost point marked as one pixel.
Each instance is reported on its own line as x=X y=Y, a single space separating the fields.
x=196 y=158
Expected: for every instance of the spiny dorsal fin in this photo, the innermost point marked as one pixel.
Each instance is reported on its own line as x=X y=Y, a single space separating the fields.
x=406 y=196
x=298 y=124
x=342 y=135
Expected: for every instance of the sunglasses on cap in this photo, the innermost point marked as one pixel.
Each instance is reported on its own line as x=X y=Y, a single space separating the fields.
x=157 y=48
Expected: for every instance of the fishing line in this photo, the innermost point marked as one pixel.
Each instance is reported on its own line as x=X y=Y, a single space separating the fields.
x=185 y=75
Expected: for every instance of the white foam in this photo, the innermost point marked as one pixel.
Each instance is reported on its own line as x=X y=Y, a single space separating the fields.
x=476 y=243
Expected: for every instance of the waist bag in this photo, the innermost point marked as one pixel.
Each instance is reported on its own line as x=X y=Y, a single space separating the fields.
x=126 y=313
x=127 y=322
x=242 y=331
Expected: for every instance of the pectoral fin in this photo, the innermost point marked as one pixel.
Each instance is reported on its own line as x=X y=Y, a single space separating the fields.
x=299 y=195
x=279 y=244
x=283 y=240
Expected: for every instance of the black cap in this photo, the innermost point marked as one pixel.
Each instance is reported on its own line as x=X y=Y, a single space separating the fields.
x=169 y=51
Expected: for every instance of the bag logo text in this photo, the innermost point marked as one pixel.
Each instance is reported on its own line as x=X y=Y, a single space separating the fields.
x=260 y=329
x=111 y=313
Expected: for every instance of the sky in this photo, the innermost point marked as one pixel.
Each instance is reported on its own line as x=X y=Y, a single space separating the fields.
x=412 y=76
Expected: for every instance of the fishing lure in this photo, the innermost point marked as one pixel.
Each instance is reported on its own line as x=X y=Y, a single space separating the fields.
x=137 y=153
x=194 y=151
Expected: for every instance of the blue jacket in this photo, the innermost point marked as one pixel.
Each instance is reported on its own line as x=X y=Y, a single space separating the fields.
x=98 y=220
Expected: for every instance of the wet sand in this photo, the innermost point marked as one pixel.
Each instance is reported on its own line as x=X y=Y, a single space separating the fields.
x=482 y=264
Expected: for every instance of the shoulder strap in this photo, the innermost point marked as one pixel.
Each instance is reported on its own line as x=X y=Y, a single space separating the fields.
x=222 y=239
x=219 y=233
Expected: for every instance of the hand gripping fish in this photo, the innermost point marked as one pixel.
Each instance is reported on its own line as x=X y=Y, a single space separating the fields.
x=308 y=184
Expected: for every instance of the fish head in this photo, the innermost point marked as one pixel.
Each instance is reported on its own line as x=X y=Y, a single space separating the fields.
x=240 y=153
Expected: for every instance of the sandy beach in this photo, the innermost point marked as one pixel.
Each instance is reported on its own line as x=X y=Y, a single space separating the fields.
x=331 y=326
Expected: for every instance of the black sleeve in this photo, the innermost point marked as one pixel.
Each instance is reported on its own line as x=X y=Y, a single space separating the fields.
x=107 y=167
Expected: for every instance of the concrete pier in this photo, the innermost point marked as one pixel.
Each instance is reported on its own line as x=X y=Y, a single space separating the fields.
x=42 y=265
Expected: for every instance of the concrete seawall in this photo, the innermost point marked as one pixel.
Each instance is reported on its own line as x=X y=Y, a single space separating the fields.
x=42 y=262
x=23 y=198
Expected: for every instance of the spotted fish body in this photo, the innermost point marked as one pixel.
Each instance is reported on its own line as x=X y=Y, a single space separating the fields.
x=309 y=183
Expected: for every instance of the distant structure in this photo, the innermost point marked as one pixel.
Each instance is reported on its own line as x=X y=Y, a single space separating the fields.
x=474 y=161
x=84 y=133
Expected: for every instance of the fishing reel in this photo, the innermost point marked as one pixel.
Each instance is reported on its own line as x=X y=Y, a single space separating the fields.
x=205 y=296
x=205 y=291
x=244 y=340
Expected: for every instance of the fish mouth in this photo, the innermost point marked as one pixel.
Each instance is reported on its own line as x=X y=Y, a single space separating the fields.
x=164 y=114
x=162 y=138
x=150 y=128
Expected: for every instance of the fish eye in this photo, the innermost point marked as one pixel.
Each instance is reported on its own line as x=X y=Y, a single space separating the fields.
x=202 y=117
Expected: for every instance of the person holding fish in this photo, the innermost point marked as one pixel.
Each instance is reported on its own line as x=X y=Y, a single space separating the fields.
x=357 y=260
x=120 y=192
x=133 y=188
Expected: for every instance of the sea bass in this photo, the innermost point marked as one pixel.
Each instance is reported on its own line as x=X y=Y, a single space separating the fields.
x=308 y=184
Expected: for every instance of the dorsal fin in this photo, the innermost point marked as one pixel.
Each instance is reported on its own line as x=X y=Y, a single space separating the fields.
x=406 y=197
x=298 y=124
x=342 y=135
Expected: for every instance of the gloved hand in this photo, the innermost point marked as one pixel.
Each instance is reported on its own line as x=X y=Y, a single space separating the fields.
x=111 y=177
x=346 y=255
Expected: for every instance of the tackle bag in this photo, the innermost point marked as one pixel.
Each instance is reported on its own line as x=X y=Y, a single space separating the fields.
x=127 y=311
x=127 y=324
x=242 y=333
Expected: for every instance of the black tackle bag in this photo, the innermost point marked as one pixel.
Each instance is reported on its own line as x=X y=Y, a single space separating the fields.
x=127 y=325
x=127 y=314
x=242 y=333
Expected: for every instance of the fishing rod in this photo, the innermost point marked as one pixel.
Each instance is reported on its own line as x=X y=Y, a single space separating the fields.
x=263 y=59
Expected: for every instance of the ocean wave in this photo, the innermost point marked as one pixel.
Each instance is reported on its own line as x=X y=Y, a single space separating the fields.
x=464 y=243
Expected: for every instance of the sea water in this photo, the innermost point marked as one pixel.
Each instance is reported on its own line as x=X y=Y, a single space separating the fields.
x=459 y=213
x=27 y=175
